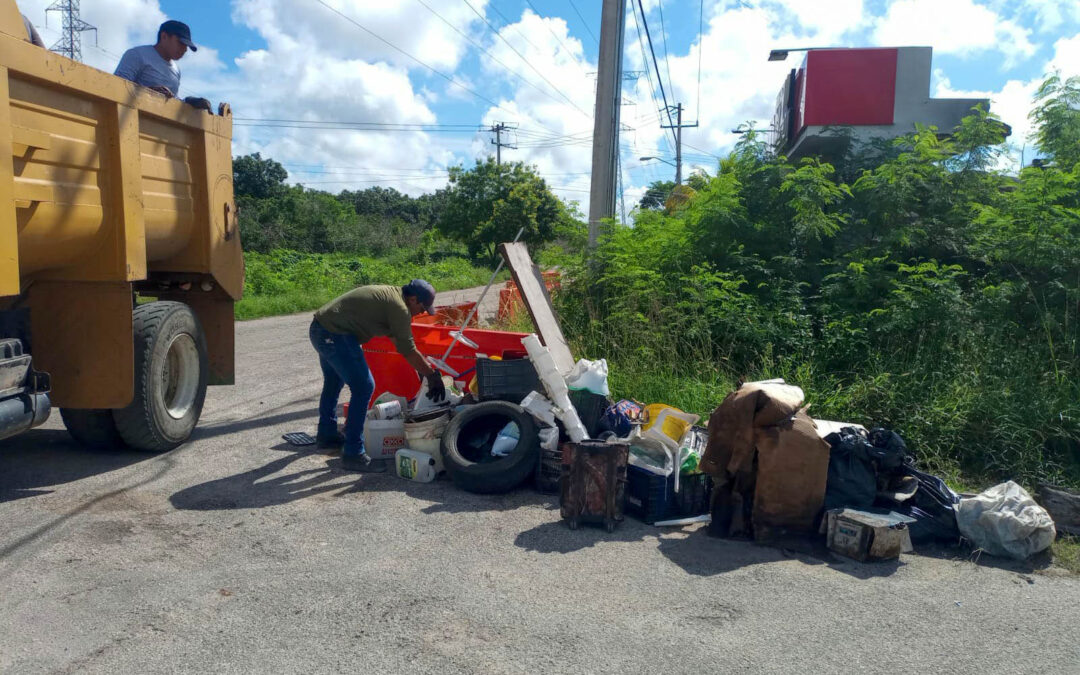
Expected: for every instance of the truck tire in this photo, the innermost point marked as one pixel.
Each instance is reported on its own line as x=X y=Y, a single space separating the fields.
x=466 y=448
x=95 y=429
x=171 y=371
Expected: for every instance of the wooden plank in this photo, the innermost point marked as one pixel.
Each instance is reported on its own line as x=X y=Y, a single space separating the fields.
x=531 y=284
x=1062 y=505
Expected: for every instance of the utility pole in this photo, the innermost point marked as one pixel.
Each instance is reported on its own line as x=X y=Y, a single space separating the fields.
x=71 y=29
x=678 y=127
x=606 y=120
x=497 y=129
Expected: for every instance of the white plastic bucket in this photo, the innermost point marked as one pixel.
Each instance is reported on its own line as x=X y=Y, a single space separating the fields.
x=427 y=437
x=415 y=465
x=383 y=438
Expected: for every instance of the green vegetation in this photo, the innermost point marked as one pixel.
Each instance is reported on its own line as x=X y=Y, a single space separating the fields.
x=489 y=203
x=1066 y=551
x=286 y=282
x=304 y=247
x=911 y=286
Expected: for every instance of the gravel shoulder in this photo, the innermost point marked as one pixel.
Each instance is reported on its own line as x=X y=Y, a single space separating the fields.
x=237 y=553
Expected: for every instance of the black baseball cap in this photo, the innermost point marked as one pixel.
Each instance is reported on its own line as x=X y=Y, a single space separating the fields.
x=180 y=30
x=422 y=291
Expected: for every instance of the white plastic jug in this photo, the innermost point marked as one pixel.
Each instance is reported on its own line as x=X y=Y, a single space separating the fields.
x=415 y=465
x=383 y=438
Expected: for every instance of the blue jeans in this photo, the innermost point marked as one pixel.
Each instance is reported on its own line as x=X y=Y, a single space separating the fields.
x=342 y=361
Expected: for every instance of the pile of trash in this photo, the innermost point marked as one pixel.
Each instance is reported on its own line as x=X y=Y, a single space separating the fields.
x=760 y=468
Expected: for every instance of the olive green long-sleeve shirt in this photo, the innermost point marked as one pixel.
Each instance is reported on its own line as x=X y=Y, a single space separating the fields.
x=370 y=311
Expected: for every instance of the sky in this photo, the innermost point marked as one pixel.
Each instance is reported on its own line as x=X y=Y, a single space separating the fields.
x=442 y=71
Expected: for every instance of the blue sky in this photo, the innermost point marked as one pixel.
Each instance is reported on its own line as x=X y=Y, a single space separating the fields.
x=531 y=64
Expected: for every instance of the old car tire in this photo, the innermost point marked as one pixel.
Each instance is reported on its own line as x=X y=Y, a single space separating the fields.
x=473 y=469
x=94 y=429
x=171 y=371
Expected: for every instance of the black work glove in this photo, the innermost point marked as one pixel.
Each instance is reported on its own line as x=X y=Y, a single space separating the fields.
x=436 y=388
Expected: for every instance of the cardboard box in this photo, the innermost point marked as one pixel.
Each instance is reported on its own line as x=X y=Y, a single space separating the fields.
x=862 y=535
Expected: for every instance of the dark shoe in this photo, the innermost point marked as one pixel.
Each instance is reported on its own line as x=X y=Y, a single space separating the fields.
x=362 y=463
x=329 y=442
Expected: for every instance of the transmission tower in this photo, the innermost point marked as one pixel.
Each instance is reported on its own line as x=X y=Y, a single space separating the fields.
x=72 y=28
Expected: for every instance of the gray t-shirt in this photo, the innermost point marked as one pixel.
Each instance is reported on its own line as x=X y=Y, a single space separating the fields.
x=143 y=65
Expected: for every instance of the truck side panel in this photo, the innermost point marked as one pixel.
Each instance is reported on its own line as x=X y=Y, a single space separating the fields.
x=81 y=336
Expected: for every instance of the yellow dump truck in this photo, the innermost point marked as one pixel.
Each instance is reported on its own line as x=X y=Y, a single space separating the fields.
x=120 y=258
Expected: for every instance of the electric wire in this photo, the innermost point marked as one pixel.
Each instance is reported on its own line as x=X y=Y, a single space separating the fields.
x=586 y=23
x=522 y=57
x=645 y=62
x=663 y=33
x=700 y=49
x=656 y=64
x=483 y=49
x=441 y=74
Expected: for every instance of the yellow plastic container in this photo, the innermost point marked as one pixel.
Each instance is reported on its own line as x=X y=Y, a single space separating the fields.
x=673 y=423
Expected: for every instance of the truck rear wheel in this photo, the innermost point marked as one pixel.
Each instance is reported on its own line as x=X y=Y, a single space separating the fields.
x=171 y=371
x=95 y=429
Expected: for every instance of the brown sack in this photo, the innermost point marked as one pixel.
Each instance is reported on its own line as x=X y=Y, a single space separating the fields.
x=783 y=491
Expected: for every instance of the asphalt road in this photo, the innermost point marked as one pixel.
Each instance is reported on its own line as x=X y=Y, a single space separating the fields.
x=239 y=554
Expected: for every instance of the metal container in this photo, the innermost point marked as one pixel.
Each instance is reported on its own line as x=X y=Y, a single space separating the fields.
x=593 y=483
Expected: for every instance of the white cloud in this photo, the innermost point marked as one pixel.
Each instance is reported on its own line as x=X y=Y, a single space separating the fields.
x=960 y=27
x=1049 y=15
x=121 y=24
x=1013 y=101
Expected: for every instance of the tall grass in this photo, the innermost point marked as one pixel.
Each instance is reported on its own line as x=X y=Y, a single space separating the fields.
x=287 y=282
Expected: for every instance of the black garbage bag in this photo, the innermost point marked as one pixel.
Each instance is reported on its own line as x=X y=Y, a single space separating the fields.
x=852 y=478
x=933 y=506
x=889 y=450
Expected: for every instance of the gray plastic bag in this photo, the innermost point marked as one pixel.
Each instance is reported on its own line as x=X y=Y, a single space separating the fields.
x=1006 y=521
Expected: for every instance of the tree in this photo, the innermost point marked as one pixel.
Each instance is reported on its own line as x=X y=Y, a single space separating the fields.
x=486 y=205
x=656 y=194
x=256 y=177
x=1056 y=117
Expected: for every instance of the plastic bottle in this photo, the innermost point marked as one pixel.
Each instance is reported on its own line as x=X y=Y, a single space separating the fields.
x=415 y=465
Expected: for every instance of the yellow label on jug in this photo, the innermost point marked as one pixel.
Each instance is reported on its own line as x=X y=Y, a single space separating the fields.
x=407 y=467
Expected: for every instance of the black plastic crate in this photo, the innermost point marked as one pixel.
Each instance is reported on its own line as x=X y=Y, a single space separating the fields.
x=509 y=380
x=590 y=409
x=651 y=498
x=548 y=471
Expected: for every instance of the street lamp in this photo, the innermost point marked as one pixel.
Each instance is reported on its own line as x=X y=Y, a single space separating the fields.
x=781 y=54
x=659 y=159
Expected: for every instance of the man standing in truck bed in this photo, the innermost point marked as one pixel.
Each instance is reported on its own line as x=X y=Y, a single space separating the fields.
x=154 y=66
x=337 y=332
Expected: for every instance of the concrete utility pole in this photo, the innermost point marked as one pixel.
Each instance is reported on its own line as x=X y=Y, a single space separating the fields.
x=498 y=142
x=71 y=29
x=606 y=121
x=678 y=127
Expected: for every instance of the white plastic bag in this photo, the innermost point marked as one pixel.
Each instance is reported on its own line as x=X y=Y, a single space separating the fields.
x=506 y=441
x=590 y=375
x=549 y=438
x=422 y=403
x=1006 y=521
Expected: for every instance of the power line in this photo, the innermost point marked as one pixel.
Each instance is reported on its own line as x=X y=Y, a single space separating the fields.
x=481 y=48
x=72 y=28
x=586 y=23
x=553 y=33
x=663 y=33
x=441 y=74
x=700 y=49
x=659 y=80
x=527 y=62
x=645 y=61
